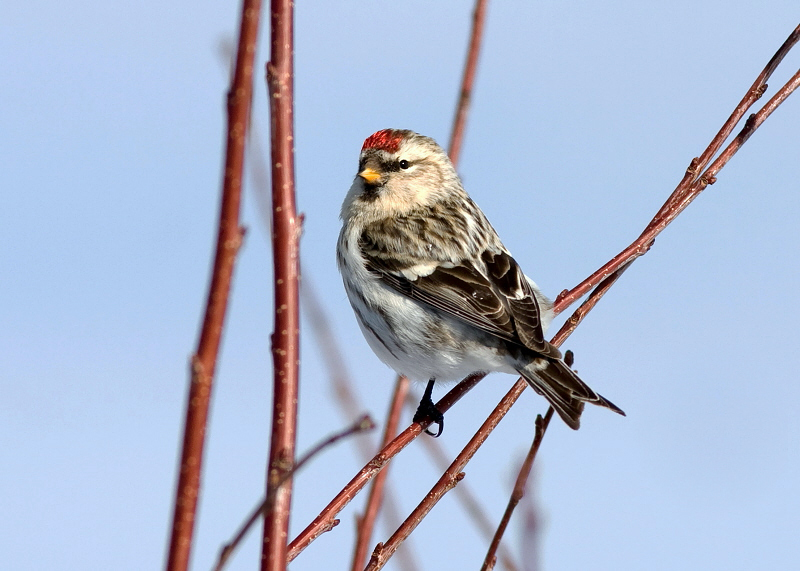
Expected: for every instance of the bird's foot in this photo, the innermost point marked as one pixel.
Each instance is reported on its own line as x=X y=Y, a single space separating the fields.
x=428 y=411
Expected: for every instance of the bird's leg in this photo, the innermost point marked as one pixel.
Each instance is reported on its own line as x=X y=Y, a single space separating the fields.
x=428 y=411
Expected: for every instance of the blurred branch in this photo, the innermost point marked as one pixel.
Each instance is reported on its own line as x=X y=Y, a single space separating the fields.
x=285 y=237
x=467 y=80
x=688 y=189
x=608 y=276
x=363 y=424
x=229 y=239
x=601 y=280
x=519 y=488
x=346 y=396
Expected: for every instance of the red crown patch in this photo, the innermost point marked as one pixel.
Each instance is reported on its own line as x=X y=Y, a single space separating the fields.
x=386 y=140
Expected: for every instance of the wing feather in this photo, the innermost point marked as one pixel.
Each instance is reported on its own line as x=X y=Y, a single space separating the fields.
x=499 y=300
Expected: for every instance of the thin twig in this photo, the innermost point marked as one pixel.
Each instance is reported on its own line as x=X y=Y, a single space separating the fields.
x=361 y=425
x=448 y=480
x=229 y=239
x=691 y=184
x=575 y=319
x=325 y=520
x=519 y=488
x=463 y=492
x=285 y=238
x=367 y=522
x=467 y=80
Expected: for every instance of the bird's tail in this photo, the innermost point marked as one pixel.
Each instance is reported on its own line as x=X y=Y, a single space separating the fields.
x=563 y=389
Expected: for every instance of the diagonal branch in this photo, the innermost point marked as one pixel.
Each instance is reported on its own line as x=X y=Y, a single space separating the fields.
x=362 y=424
x=692 y=184
x=367 y=521
x=326 y=518
x=450 y=478
x=603 y=279
x=464 y=494
x=229 y=238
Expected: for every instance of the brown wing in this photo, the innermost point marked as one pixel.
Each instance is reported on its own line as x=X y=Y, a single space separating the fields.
x=499 y=301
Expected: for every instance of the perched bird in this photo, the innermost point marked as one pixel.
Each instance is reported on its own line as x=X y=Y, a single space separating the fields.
x=435 y=292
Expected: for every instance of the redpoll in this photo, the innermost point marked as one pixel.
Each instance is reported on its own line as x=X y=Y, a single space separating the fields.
x=435 y=292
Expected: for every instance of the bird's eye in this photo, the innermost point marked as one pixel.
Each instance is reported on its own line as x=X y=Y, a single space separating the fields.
x=404 y=164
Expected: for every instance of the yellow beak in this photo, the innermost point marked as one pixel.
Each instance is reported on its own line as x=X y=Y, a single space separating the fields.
x=370 y=175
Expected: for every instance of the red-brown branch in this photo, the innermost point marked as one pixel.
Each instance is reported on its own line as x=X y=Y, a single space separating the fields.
x=374 y=500
x=464 y=494
x=229 y=238
x=363 y=424
x=285 y=238
x=346 y=396
x=519 y=488
x=451 y=477
x=693 y=184
x=384 y=551
x=467 y=81
x=690 y=186
x=326 y=518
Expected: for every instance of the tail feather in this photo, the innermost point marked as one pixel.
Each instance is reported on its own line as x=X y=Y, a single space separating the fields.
x=563 y=389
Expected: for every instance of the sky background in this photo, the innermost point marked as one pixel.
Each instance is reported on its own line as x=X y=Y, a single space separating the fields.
x=584 y=118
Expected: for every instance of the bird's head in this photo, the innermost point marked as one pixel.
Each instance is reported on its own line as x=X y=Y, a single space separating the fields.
x=398 y=172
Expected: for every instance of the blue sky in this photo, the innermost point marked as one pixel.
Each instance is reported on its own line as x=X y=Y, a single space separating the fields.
x=583 y=120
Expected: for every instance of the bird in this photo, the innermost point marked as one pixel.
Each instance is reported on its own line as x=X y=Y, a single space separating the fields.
x=434 y=290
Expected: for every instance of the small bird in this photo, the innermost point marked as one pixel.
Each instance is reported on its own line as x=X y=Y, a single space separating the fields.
x=435 y=292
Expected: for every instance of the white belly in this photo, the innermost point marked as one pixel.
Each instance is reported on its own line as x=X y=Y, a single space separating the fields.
x=415 y=340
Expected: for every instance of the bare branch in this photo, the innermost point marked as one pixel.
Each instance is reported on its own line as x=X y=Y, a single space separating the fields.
x=603 y=279
x=367 y=522
x=467 y=81
x=325 y=520
x=451 y=477
x=519 y=488
x=361 y=425
x=693 y=184
x=401 y=387
x=285 y=237
x=229 y=239
x=463 y=492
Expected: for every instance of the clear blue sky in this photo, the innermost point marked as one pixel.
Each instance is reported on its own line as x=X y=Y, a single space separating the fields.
x=585 y=116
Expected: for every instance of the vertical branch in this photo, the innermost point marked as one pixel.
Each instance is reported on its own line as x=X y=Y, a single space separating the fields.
x=229 y=238
x=468 y=80
x=285 y=237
